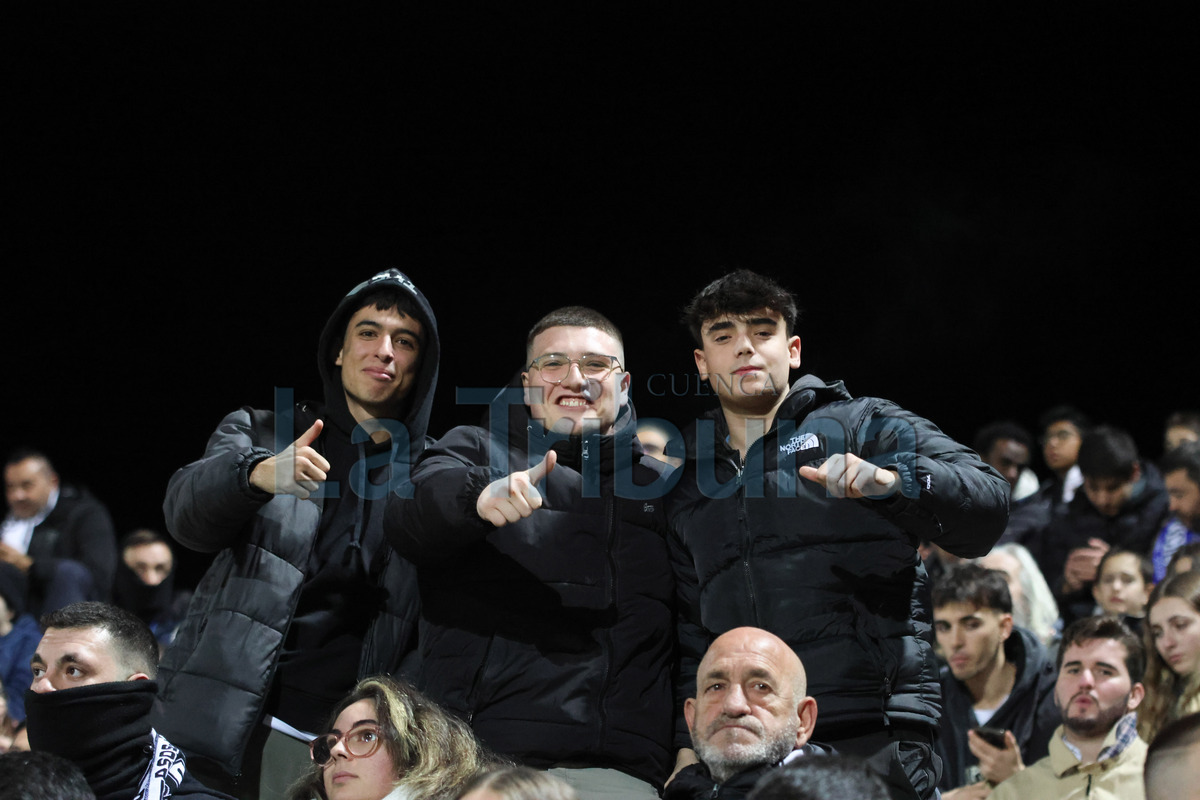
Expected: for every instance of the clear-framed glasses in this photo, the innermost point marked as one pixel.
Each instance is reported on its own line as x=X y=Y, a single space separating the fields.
x=360 y=742
x=555 y=367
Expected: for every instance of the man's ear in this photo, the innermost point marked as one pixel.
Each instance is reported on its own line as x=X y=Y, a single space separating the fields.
x=701 y=362
x=138 y=676
x=794 y=352
x=529 y=390
x=337 y=362
x=1006 y=626
x=1136 y=694
x=623 y=389
x=807 y=711
x=689 y=711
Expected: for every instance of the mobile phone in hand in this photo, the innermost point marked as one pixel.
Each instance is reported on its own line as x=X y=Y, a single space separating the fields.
x=992 y=735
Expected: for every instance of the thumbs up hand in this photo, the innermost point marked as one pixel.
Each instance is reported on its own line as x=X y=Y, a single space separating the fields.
x=297 y=470
x=515 y=496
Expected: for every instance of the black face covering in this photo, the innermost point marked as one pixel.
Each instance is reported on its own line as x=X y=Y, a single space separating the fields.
x=146 y=602
x=104 y=728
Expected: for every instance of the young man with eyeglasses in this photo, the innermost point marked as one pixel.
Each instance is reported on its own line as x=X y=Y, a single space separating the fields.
x=539 y=540
x=799 y=511
x=92 y=693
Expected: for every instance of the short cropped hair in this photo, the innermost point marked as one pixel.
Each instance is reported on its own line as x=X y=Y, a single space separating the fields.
x=1108 y=452
x=19 y=454
x=993 y=432
x=143 y=536
x=973 y=584
x=1089 y=629
x=739 y=293
x=135 y=647
x=41 y=775
x=821 y=777
x=574 y=317
x=1168 y=751
x=1185 y=457
x=1065 y=413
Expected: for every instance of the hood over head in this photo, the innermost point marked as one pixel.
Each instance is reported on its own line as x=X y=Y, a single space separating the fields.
x=419 y=403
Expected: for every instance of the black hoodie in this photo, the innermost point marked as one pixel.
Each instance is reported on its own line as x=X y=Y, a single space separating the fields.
x=1028 y=711
x=293 y=576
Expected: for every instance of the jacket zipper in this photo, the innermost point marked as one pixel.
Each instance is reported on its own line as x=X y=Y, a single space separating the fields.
x=610 y=520
x=744 y=527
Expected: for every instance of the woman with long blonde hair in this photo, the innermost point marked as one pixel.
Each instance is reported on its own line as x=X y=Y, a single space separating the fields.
x=1172 y=636
x=387 y=740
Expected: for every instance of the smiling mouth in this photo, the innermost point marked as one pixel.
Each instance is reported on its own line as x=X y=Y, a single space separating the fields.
x=573 y=402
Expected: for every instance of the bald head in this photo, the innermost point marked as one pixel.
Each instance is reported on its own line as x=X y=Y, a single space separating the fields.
x=750 y=706
x=762 y=649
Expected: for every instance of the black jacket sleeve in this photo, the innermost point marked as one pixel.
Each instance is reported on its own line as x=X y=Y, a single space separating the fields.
x=440 y=517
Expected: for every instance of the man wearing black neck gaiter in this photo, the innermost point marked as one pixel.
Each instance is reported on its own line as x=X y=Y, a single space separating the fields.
x=90 y=703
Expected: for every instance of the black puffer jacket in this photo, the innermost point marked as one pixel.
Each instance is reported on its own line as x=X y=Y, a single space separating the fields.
x=81 y=529
x=551 y=635
x=1029 y=711
x=839 y=580
x=215 y=677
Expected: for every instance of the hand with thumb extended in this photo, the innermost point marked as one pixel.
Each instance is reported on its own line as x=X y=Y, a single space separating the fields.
x=298 y=470
x=847 y=475
x=515 y=496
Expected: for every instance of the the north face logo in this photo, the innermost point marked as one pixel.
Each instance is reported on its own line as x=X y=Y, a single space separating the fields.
x=801 y=441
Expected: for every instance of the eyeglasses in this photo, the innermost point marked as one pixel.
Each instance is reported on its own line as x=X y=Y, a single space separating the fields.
x=360 y=742
x=555 y=366
x=1059 y=436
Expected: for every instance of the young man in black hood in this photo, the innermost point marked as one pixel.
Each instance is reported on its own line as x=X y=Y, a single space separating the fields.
x=539 y=539
x=305 y=596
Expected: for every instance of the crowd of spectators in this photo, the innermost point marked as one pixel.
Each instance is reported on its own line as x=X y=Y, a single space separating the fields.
x=1105 y=533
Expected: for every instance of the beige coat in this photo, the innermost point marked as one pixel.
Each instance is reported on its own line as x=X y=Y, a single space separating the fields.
x=1060 y=776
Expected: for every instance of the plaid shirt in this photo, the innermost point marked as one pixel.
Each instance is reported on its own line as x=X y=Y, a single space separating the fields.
x=1126 y=733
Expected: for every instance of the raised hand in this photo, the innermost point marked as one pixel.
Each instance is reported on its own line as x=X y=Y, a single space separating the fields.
x=515 y=496
x=297 y=470
x=847 y=475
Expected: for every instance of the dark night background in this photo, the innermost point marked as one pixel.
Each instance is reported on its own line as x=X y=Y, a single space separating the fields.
x=985 y=209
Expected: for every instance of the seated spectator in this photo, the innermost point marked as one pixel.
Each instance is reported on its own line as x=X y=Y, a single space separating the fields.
x=1181 y=475
x=59 y=535
x=1173 y=761
x=661 y=442
x=1062 y=429
x=20 y=739
x=8 y=725
x=19 y=635
x=41 y=776
x=1180 y=426
x=996 y=675
x=835 y=777
x=1096 y=752
x=1034 y=606
x=1006 y=446
x=1122 y=588
x=1172 y=638
x=1185 y=559
x=750 y=714
x=91 y=697
x=145 y=584
x=1123 y=504
x=518 y=783
x=426 y=754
